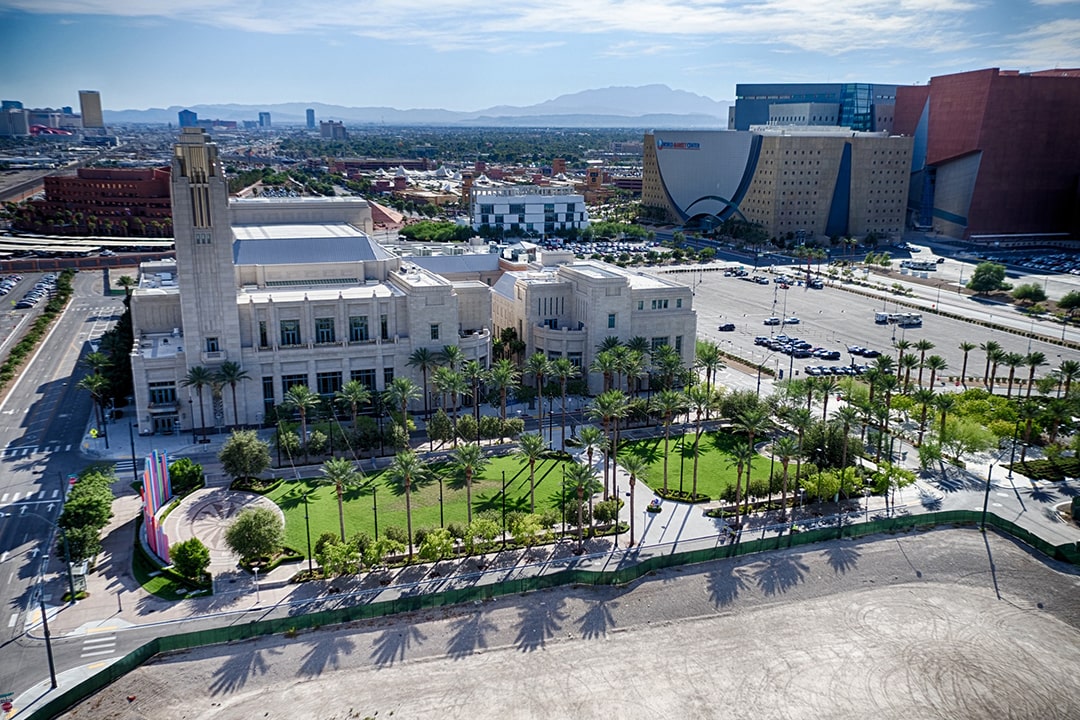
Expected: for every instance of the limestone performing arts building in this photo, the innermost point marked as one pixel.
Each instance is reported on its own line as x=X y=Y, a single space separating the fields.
x=794 y=181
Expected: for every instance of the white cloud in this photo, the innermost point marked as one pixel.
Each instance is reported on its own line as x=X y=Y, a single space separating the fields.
x=830 y=27
x=1052 y=44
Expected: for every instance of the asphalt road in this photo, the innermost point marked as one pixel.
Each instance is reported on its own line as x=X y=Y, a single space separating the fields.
x=42 y=421
x=943 y=624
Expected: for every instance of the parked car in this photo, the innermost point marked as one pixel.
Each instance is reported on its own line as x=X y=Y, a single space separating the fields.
x=791 y=320
x=772 y=321
x=726 y=327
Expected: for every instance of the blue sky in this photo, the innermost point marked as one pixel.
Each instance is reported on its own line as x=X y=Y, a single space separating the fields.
x=472 y=54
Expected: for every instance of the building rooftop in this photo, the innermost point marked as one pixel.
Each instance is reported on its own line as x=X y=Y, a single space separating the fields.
x=356 y=292
x=301 y=244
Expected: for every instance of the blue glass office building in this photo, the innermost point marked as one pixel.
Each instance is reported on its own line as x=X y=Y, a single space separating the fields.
x=861 y=106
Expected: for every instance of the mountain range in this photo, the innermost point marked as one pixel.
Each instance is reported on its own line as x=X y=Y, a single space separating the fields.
x=641 y=106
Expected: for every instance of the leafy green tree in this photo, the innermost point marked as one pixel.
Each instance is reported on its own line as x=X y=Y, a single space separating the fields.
x=190 y=558
x=439 y=428
x=83 y=543
x=256 y=533
x=480 y=535
x=186 y=476
x=988 y=277
x=528 y=529
x=437 y=545
x=1029 y=293
x=244 y=455
x=87 y=506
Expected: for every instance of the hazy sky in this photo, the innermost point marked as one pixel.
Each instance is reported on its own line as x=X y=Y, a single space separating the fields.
x=472 y=54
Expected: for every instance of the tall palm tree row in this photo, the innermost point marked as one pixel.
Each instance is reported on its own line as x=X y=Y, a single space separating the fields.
x=398 y=395
x=426 y=360
x=469 y=460
x=531 y=448
x=564 y=370
x=752 y=422
x=539 y=367
x=635 y=467
x=340 y=473
x=608 y=407
x=667 y=404
x=232 y=373
x=965 y=347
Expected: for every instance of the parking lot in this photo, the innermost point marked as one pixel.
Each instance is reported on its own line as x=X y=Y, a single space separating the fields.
x=830 y=321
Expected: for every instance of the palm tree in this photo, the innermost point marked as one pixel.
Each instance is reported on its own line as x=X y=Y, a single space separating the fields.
x=608 y=407
x=530 y=449
x=700 y=399
x=605 y=364
x=846 y=417
x=901 y=350
x=475 y=374
x=426 y=360
x=989 y=347
x=401 y=392
x=1033 y=360
x=966 y=347
x=454 y=385
x=996 y=358
x=707 y=357
x=937 y=364
x=199 y=377
x=633 y=366
x=753 y=422
x=539 y=366
x=810 y=386
x=888 y=385
x=907 y=363
x=923 y=396
x=128 y=283
x=353 y=394
x=593 y=439
x=230 y=373
x=1029 y=412
x=799 y=418
x=581 y=478
x=96 y=361
x=98 y=387
x=826 y=387
x=302 y=399
x=340 y=473
x=944 y=402
x=742 y=454
x=564 y=370
x=469 y=460
x=923 y=346
x=668 y=364
x=784 y=449
x=503 y=376
x=635 y=466
x=452 y=357
x=1013 y=360
x=405 y=469
x=1067 y=371
x=668 y=404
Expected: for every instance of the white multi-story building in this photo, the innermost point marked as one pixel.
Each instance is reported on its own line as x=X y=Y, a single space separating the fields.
x=568 y=310
x=292 y=290
x=517 y=210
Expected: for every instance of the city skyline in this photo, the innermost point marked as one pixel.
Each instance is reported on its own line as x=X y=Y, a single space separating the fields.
x=467 y=55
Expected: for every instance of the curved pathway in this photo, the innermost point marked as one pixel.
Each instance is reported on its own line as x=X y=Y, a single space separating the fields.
x=207 y=514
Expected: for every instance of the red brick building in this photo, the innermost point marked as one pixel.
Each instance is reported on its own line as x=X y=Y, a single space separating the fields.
x=997 y=152
x=114 y=201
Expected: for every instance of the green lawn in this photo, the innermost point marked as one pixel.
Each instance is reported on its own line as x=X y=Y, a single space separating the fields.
x=359 y=513
x=715 y=469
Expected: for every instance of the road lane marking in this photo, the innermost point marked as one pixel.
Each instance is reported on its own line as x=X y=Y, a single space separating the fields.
x=4 y=498
x=111 y=651
x=4 y=556
x=14 y=619
x=55 y=493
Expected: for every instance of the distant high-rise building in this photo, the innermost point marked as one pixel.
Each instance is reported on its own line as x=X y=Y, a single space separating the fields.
x=188 y=118
x=10 y=105
x=264 y=120
x=859 y=106
x=14 y=123
x=310 y=119
x=330 y=130
x=90 y=107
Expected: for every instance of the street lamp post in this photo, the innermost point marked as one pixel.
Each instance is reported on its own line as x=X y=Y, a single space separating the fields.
x=255 y=569
x=48 y=637
x=191 y=414
x=504 y=509
x=375 y=510
x=67 y=551
x=307 y=530
x=986 y=497
x=1012 y=453
x=131 y=434
x=442 y=521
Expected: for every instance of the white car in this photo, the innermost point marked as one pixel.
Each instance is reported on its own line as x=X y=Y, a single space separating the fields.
x=791 y=320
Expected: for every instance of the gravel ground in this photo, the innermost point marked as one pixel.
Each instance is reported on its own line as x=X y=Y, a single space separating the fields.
x=941 y=624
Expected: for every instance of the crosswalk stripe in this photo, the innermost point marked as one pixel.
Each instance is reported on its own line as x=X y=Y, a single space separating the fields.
x=99 y=652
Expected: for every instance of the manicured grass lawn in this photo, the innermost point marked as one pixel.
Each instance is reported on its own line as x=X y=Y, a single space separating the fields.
x=715 y=469
x=360 y=516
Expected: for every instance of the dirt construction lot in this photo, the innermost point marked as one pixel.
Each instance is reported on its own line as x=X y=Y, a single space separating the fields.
x=940 y=624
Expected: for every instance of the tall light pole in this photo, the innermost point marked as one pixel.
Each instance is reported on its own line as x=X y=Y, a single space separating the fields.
x=48 y=637
x=986 y=497
x=307 y=530
x=134 y=470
